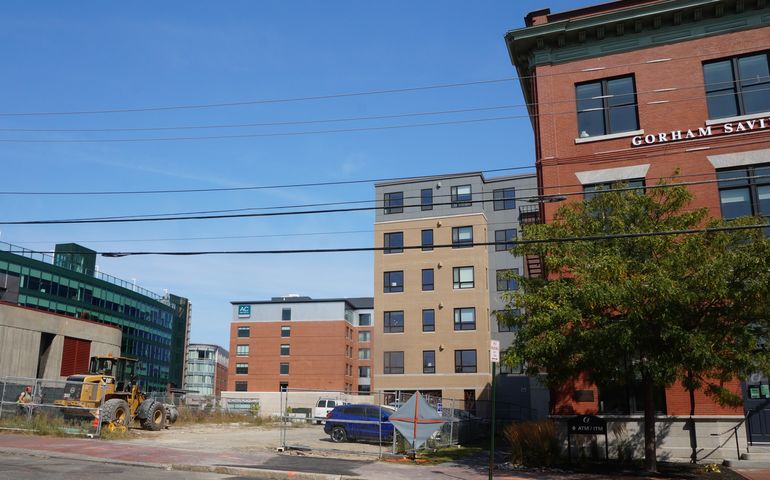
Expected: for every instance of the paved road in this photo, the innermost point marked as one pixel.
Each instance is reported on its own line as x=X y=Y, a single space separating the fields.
x=27 y=457
x=26 y=467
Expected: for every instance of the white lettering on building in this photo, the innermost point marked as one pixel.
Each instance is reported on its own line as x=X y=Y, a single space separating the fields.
x=701 y=132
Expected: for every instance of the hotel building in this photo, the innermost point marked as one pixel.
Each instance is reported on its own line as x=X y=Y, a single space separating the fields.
x=299 y=342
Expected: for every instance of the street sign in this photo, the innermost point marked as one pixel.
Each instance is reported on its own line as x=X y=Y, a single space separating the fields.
x=494 y=350
x=440 y=408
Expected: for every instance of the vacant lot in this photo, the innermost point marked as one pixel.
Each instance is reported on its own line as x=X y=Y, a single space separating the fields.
x=235 y=437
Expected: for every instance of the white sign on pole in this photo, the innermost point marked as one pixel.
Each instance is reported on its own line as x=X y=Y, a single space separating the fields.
x=494 y=351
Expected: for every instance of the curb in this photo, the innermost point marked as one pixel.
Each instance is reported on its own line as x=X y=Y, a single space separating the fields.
x=261 y=473
x=234 y=470
x=84 y=458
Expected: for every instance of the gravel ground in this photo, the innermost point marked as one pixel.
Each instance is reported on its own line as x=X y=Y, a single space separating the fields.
x=236 y=437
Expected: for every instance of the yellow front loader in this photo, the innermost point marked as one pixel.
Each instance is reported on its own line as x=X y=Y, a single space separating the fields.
x=110 y=390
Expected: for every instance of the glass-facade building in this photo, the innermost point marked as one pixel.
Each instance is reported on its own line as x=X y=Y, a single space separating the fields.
x=207 y=368
x=153 y=327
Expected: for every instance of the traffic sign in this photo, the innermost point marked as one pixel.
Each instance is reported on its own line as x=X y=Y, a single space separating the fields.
x=494 y=351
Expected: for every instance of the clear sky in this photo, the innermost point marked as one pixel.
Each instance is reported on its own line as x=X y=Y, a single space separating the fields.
x=96 y=55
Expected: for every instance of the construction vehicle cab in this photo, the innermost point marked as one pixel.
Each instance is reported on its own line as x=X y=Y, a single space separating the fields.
x=122 y=369
x=111 y=393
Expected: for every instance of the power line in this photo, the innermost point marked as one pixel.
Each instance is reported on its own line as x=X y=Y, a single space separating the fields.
x=266 y=135
x=348 y=94
x=590 y=238
x=259 y=102
x=265 y=124
x=263 y=187
x=341 y=130
x=358 y=118
x=184 y=239
x=220 y=216
x=358 y=202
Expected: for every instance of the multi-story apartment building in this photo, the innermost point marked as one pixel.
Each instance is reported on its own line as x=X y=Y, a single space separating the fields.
x=153 y=327
x=207 y=367
x=439 y=278
x=301 y=343
x=639 y=90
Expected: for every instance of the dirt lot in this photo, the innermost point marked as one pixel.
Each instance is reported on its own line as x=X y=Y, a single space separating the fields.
x=234 y=437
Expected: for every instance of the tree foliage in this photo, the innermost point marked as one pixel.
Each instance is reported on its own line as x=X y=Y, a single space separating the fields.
x=655 y=309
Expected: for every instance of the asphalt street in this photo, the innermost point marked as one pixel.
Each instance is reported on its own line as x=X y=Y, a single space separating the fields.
x=28 y=467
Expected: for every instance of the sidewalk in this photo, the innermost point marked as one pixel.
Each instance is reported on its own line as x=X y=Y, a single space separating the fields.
x=266 y=465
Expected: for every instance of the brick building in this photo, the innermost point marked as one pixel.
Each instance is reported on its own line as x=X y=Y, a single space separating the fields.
x=301 y=343
x=636 y=91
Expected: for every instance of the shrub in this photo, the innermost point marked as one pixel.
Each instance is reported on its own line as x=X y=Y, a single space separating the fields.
x=189 y=416
x=533 y=444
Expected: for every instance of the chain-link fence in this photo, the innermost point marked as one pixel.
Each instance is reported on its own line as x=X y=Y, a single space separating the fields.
x=359 y=424
x=51 y=406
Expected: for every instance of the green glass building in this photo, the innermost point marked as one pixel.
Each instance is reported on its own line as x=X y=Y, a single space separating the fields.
x=154 y=327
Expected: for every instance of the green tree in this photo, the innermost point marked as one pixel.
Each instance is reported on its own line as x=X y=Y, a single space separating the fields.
x=648 y=309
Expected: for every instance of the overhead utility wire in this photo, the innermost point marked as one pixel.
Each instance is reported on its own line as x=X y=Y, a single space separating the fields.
x=359 y=118
x=185 y=239
x=130 y=219
x=263 y=187
x=416 y=197
x=591 y=238
x=344 y=130
x=351 y=94
x=265 y=135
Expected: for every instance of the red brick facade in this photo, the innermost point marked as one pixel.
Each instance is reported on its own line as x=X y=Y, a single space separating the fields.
x=669 y=85
x=323 y=355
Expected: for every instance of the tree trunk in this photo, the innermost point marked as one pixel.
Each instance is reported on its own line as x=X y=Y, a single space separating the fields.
x=693 y=436
x=650 y=450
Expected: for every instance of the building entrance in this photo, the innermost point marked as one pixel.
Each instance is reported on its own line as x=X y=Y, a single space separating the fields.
x=756 y=407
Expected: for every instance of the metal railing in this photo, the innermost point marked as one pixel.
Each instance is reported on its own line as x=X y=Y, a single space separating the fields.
x=46 y=258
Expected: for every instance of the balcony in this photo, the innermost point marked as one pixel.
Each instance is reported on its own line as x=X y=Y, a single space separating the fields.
x=529 y=214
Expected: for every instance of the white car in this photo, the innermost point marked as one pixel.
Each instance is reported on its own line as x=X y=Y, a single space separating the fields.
x=323 y=407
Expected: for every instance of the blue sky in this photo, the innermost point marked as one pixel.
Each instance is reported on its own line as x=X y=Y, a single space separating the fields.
x=94 y=55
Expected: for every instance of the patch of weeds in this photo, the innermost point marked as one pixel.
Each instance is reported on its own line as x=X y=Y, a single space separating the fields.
x=190 y=416
x=41 y=423
x=440 y=455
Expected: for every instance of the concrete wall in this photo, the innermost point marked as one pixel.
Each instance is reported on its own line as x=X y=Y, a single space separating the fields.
x=21 y=330
x=270 y=402
x=716 y=437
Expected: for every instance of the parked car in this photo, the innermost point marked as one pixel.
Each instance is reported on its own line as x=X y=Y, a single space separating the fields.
x=359 y=422
x=323 y=407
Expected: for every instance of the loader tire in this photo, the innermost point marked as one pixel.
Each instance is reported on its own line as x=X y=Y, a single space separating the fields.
x=171 y=414
x=116 y=411
x=156 y=417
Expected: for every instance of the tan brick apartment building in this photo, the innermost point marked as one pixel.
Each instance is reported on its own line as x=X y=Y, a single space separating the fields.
x=636 y=90
x=438 y=281
x=301 y=343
